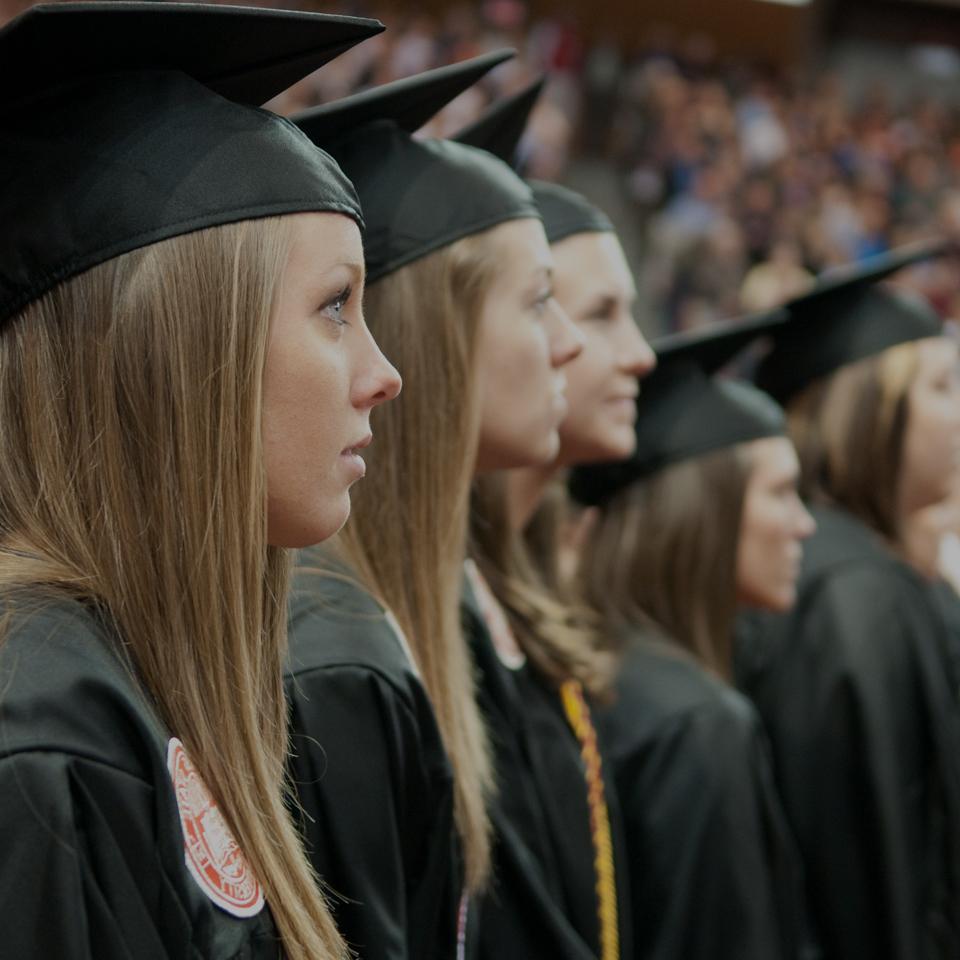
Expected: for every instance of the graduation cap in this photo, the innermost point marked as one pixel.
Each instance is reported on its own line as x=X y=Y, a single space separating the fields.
x=566 y=213
x=847 y=317
x=685 y=411
x=126 y=123
x=417 y=195
x=500 y=128
x=499 y=131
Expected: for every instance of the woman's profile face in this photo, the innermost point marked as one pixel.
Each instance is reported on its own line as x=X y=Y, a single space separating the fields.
x=324 y=374
x=773 y=526
x=595 y=288
x=524 y=341
x=931 y=444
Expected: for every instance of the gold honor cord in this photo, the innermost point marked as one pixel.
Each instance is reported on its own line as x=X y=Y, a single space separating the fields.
x=578 y=714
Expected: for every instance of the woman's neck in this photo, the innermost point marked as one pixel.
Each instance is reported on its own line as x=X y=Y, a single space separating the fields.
x=922 y=532
x=525 y=489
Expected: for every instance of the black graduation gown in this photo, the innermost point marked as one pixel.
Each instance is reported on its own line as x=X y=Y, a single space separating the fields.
x=372 y=775
x=715 y=872
x=542 y=901
x=948 y=605
x=92 y=863
x=853 y=688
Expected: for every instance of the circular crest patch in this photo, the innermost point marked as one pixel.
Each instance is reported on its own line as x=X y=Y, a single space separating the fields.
x=213 y=856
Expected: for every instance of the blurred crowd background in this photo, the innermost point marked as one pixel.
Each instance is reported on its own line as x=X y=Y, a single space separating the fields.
x=733 y=172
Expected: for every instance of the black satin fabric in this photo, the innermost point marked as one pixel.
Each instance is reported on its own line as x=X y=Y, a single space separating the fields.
x=400 y=182
x=564 y=212
x=418 y=195
x=845 y=317
x=714 y=870
x=683 y=413
x=854 y=688
x=543 y=900
x=91 y=848
x=143 y=140
x=371 y=773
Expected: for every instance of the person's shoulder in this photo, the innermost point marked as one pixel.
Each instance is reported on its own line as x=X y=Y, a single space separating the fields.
x=666 y=674
x=859 y=612
x=853 y=578
x=660 y=686
x=848 y=565
x=673 y=719
x=338 y=630
x=844 y=549
x=64 y=688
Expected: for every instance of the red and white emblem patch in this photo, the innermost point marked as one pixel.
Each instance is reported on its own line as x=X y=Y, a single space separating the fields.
x=212 y=854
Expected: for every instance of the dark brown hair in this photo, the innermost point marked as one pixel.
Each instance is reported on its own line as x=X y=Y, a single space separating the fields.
x=663 y=555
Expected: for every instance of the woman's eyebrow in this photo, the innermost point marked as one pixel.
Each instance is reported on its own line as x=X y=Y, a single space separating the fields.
x=356 y=267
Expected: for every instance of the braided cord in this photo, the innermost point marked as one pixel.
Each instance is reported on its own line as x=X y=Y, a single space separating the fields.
x=578 y=715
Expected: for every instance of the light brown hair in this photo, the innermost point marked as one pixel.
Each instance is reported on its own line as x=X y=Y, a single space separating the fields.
x=663 y=554
x=557 y=634
x=406 y=538
x=132 y=476
x=848 y=428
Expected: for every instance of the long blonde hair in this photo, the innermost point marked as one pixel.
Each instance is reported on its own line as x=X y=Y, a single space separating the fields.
x=132 y=476
x=406 y=538
x=849 y=428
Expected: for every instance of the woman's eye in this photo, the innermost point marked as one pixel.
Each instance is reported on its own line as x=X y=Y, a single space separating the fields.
x=541 y=303
x=333 y=309
x=604 y=310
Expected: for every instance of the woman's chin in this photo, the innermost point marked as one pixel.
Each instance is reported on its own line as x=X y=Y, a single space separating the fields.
x=309 y=530
x=780 y=601
x=580 y=451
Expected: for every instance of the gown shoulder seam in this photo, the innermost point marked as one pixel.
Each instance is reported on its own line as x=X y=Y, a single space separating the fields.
x=23 y=752
x=296 y=676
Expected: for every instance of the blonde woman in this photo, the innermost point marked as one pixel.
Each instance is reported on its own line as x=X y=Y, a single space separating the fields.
x=166 y=308
x=855 y=684
x=391 y=756
x=709 y=864
x=562 y=889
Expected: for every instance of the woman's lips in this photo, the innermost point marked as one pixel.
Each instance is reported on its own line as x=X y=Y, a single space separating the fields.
x=351 y=456
x=364 y=441
x=624 y=405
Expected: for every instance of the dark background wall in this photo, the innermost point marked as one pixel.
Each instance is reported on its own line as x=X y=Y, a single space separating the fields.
x=899 y=21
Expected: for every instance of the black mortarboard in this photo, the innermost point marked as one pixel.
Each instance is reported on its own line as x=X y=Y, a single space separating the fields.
x=846 y=317
x=126 y=123
x=684 y=411
x=566 y=213
x=499 y=131
x=501 y=127
x=417 y=195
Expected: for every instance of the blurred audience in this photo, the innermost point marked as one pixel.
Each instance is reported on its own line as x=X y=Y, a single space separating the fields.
x=740 y=183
